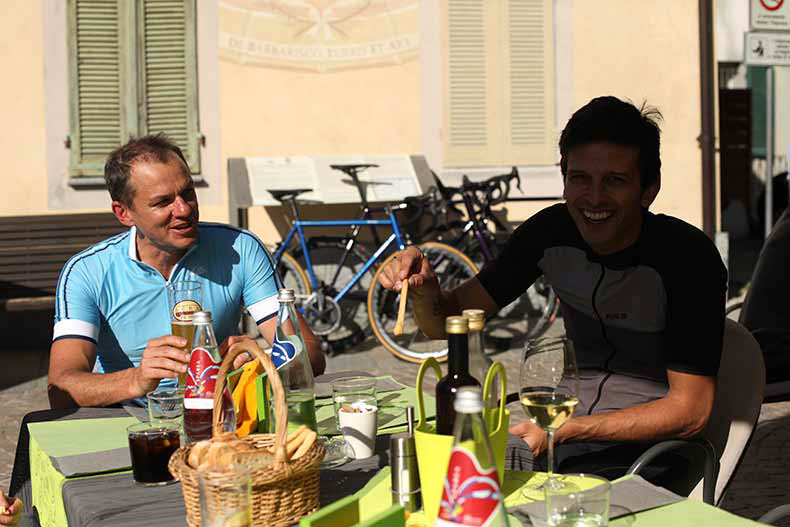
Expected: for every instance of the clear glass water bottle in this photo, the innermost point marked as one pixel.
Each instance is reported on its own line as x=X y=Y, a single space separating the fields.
x=290 y=357
x=479 y=362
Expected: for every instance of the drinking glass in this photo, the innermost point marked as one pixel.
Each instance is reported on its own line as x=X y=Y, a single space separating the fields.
x=150 y=447
x=166 y=404
x=346 y=390
x=579 y=508
x=349 y=390
x=225 y=497
x=184 y=299
x=549 y=382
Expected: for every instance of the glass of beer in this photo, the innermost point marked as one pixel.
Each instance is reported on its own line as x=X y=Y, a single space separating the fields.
x=184 y=298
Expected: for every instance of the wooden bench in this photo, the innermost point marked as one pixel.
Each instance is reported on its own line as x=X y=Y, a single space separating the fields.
x=33 y=250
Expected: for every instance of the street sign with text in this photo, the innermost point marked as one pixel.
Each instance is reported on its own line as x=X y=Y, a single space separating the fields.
x=772 y=15
x=766 y=49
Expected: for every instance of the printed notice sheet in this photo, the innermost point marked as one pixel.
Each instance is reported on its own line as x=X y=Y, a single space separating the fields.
x=281 y=173
x=392 y=179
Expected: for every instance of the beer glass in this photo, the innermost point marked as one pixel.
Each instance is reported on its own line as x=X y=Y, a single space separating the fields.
x=184 y=299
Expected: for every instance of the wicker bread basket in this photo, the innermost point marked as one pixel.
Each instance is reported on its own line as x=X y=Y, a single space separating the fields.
x=282 y=492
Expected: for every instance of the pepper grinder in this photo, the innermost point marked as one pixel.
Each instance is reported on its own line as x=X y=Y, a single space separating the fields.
x=404 y=473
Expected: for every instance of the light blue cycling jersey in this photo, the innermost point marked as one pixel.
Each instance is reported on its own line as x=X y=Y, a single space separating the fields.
x=109 y=297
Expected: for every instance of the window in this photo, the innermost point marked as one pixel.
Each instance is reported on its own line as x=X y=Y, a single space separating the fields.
x=498 y=83
x=132 y=71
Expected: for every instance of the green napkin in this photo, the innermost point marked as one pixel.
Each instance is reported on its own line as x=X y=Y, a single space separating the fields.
x=691 y=513
x=81 y=436
x=391 y=414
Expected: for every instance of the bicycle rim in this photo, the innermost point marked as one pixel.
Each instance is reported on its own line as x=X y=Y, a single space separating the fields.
x=325 y=257
x=293 y=276
x=452 y=268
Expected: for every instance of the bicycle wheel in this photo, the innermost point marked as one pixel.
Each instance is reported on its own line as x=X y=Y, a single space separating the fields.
x=452 y=267
x=345 y=323
x=293 y=277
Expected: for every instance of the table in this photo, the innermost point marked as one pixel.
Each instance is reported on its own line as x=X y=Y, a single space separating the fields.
x=113 y=499
x=89 y=500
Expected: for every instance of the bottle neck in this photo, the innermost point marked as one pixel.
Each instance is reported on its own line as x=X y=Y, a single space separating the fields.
x=458 y=354
x=287 y=321
x=475 y=342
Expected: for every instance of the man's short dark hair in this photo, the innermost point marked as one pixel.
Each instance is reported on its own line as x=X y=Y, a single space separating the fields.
x=610 y=120
x=119 y=163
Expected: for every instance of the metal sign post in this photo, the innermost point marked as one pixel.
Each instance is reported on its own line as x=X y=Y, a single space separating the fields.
x=768 y=46
x=769 y=150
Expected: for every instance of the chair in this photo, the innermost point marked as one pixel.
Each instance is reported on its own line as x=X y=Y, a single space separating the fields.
x=739 y=394
x=775 y=514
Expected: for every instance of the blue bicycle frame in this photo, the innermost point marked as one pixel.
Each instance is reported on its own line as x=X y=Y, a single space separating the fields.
x=298 y=224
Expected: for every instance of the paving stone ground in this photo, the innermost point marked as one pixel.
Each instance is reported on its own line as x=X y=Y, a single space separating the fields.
x=761 y=483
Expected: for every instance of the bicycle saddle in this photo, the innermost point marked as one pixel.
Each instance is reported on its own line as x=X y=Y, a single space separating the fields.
x=285 y=195
x=352 y=170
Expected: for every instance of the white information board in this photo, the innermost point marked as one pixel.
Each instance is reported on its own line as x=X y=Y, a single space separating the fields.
x=766 y=49
x=771 y=15
x=393 y=179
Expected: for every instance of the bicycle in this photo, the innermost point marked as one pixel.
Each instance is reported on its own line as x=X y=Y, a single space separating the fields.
x=321 y=300
x=335 y=260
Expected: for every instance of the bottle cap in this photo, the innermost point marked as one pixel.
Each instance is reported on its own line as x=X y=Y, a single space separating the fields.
x=286 y=295
x=456 y=325
x=468 y=400
x=201 y=317
x=476 y=317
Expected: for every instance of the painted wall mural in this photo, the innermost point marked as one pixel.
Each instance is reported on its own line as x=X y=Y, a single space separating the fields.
x=318 y=35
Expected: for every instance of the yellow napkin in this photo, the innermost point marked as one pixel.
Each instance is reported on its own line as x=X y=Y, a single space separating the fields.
x=245 y=399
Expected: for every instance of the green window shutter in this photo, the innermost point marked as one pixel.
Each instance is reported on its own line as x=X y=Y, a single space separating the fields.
x=168 y=59
x=96 y=76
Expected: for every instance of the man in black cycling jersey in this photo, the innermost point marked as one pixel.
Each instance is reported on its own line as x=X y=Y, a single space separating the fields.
x=642 y=294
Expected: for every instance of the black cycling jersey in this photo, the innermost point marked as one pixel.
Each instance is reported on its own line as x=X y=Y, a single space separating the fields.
x=766 y=311
x=656 y=306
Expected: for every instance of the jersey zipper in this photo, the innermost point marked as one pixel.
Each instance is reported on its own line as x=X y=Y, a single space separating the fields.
x=606 y=338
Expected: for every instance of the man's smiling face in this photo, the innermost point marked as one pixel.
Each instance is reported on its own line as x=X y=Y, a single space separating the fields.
x=164 y=205
x=604 y=195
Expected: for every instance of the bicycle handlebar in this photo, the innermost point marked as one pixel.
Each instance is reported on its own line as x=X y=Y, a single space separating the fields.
x=492 y=191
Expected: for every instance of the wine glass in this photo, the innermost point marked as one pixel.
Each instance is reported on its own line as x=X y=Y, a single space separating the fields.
x=549 y=382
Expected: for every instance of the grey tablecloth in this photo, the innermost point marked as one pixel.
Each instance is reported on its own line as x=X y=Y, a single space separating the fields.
x=114 y=500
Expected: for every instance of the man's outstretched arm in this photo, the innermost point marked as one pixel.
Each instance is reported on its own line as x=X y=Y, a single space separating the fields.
x=431 y=304
x=682 y=413
x=72 y=383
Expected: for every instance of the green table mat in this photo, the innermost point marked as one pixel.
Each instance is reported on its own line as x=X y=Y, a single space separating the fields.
x=375 y=497
x=81 y=436
x=391 y=416
x=66 y=438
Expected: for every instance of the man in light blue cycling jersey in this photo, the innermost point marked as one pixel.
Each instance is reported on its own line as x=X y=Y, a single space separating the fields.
x=112 y=297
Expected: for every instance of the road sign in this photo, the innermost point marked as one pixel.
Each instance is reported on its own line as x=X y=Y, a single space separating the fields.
x=772 y=15
x=766 y=49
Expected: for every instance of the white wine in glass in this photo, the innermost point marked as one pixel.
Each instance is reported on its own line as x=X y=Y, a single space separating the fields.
x=549 y=382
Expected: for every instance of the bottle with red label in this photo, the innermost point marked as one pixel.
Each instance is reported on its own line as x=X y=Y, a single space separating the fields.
x=204 y=363
x=472 y=496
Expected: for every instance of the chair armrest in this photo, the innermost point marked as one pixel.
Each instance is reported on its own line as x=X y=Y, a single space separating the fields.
x=777 y=513
x=733 y=307
x=711 y=471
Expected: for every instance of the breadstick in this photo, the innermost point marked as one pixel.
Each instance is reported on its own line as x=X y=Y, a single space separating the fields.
x=404 y=292
x=293 y=435
x=309 y=439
